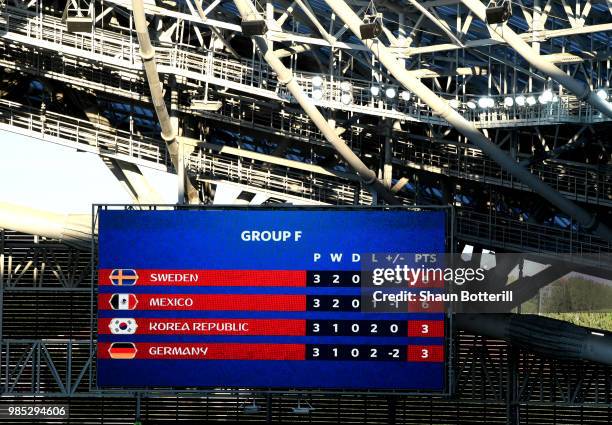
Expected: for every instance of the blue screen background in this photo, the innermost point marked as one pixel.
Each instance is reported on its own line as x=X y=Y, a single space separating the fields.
x=211 y=239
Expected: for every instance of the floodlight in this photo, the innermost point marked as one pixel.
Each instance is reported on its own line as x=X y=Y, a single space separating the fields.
x=371 y=27
x=545 y=97
x=79 y=24
x=498 y=11
x=602 y=94
x=405 y=95
x=390 y=93
x=317 y=81
x=346 y=98
x=485 y=102
x=520 y=100
x=508 y=102
x=251 y=27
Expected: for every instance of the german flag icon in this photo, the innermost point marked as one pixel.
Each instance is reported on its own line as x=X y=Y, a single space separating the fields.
x=122 y=350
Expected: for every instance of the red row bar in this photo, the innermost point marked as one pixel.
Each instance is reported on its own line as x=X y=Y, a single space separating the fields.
x=234 y=351
x=426 y=353
x=200 y=351
x=425 y=306
x=131 y=277
x=214 y=302
x=426 y=328
x=148 y=326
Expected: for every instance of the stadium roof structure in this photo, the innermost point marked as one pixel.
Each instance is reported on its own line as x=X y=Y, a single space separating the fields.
x=444 y=106
x=499 y=108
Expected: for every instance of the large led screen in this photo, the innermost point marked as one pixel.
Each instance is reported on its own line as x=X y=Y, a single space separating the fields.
x=267 y=298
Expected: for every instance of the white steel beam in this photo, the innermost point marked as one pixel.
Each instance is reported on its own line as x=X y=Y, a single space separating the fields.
x=326 y=41
x=398 y=70
x=73 y=229
x=581 y=89
x=169 y=132
x=285 y=77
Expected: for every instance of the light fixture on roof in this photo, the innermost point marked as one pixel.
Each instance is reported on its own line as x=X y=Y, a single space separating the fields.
x=345 y=86
x=520 y=100
x=317 y=87
x=508 y=102
x=470 y=104
x=531 y=100
x=372 y=23
x=486 y=102
x=375 y=90
x=78 y=18
x=498 y=11
x=390 y=93
x=602 y=94
x=405 y=95
x=79 y=24
x=371 y=27
x=545 y=97
x=454 y=103
x=253 y=25
x=347 y=93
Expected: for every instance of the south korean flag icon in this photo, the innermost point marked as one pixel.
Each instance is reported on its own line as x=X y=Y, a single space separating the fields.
x=123 y=326
x=123 y=301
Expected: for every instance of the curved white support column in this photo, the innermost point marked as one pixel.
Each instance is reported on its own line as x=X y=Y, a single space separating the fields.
x=74 y=229
x=169 y=133
x=440 y=106
x=285 y=77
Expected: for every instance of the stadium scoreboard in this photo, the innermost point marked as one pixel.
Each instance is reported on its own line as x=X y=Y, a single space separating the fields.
x=267 y=298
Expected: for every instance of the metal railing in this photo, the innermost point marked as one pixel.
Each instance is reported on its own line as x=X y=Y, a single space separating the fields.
x=108 y=141
x=251 y=76
x=581 y=182
x=282 y=180
x=515 y=235
x=492 y=230
x=561 y=109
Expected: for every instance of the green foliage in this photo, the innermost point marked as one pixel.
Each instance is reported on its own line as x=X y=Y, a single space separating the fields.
x=590 y=320
x=577 y=300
